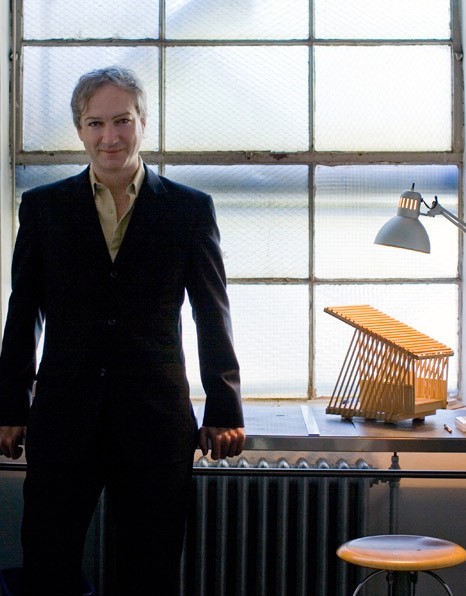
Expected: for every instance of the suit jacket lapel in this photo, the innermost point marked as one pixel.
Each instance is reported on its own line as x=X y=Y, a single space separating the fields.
x=87 y=221
x=149 y=210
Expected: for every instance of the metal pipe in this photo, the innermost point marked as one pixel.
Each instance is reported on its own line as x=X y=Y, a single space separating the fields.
x=377 y=474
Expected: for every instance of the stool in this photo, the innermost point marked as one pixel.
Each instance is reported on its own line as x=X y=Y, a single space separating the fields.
x=402 y=553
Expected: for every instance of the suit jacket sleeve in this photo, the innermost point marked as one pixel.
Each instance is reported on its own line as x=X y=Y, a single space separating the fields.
x=23 y=325
x=207 y=293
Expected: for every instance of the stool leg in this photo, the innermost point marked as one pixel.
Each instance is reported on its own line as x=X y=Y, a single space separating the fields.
x=366 y=579
x=390 y=581
x=413 y=582
x=440 y=581
x=402 y=584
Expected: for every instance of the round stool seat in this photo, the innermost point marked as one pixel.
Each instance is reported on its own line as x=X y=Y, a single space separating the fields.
x=401 y=552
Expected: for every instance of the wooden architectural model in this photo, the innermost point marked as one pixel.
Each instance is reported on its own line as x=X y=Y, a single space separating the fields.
x=391 y=371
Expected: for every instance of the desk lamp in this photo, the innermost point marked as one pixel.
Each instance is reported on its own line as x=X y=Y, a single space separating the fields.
x=405 y=230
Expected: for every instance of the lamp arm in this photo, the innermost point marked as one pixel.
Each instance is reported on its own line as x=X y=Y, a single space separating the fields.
x=437 y=209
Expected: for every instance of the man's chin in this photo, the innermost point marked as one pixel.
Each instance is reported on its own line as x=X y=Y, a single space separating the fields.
x=112 y=163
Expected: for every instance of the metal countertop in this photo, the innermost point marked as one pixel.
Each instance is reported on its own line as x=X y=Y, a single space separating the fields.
x=309 y=428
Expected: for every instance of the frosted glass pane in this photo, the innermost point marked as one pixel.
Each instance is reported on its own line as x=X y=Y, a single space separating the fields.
x=431 y=309
x=382 y=19
x=59 y=19
x=50 y=75
x=262 y=212
x=353 y=202
x=383 y=98
x=237 y=98
x=237 y=19
x=271 y=329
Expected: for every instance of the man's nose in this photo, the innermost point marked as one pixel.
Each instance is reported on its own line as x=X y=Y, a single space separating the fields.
x=110 y=134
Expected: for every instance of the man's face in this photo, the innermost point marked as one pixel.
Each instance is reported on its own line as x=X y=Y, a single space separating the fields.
x=111 y=131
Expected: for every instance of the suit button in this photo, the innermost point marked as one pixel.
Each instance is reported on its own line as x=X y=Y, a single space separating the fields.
x=111 y=322
x=113 y=274
x=102 y=372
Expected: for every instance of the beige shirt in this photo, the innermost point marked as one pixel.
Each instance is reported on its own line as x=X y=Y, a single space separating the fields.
x=114 y=230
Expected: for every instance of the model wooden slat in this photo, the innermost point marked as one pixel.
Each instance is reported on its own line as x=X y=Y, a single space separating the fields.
x=386 y=328
x=391 y=371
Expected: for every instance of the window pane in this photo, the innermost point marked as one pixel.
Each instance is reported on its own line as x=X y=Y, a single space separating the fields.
x=431 y=309
x=237 y=19
x=383 y=98
x=237 y=98
x=382 y=19
x=55 y=19
x=50 y=75
x=262 y=213
x=271 y=328
x=353 y=202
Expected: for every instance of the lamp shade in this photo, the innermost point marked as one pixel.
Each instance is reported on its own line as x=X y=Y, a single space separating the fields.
x=405 y=230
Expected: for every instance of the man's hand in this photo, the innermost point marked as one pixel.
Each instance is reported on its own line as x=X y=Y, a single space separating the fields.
x=223 y=442
x=10 y=438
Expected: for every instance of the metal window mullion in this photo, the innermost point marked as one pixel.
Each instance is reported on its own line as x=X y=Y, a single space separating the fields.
x=311 y=392
x=13 y=116
x=162 y=75
x=16 y=105
x=90 y=42
x=461 y=288
x=457 y=90
x=311 y=77
x=458 y=146
x=151 y=41
x=387 y=281
x=17 y=74
x=259 y=157
x=359 y=281
x=380 y=42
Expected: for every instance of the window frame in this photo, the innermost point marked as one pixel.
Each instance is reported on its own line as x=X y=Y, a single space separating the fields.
x=310 y=158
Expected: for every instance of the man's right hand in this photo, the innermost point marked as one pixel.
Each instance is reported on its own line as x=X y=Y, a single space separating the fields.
x=10 y=439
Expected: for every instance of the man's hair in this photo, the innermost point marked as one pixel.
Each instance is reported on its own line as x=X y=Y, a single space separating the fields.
x=118 y=76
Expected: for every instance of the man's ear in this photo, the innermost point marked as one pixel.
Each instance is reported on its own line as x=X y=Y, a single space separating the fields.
x=79 y=131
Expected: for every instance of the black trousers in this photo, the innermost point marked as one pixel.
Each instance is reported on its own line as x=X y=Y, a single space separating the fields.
x=148 y=503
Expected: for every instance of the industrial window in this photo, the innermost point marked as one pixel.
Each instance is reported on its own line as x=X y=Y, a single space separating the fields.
x=305 y=120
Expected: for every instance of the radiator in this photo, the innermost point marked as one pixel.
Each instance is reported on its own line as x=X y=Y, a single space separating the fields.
x=272 y=535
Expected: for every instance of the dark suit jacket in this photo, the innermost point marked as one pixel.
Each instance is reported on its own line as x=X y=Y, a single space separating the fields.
x=113 y=349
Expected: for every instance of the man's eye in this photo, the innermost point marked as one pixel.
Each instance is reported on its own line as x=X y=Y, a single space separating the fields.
x=94 y=124
x=123 y=121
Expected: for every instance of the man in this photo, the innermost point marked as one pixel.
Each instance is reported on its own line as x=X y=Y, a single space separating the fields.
x=104 y=259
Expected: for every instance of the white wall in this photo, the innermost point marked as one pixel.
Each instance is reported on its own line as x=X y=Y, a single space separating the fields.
x=6 y=205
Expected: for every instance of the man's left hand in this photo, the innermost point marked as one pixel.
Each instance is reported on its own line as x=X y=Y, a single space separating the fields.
x=223 y=442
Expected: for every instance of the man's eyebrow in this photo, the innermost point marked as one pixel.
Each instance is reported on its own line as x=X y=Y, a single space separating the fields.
x=112 y=118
